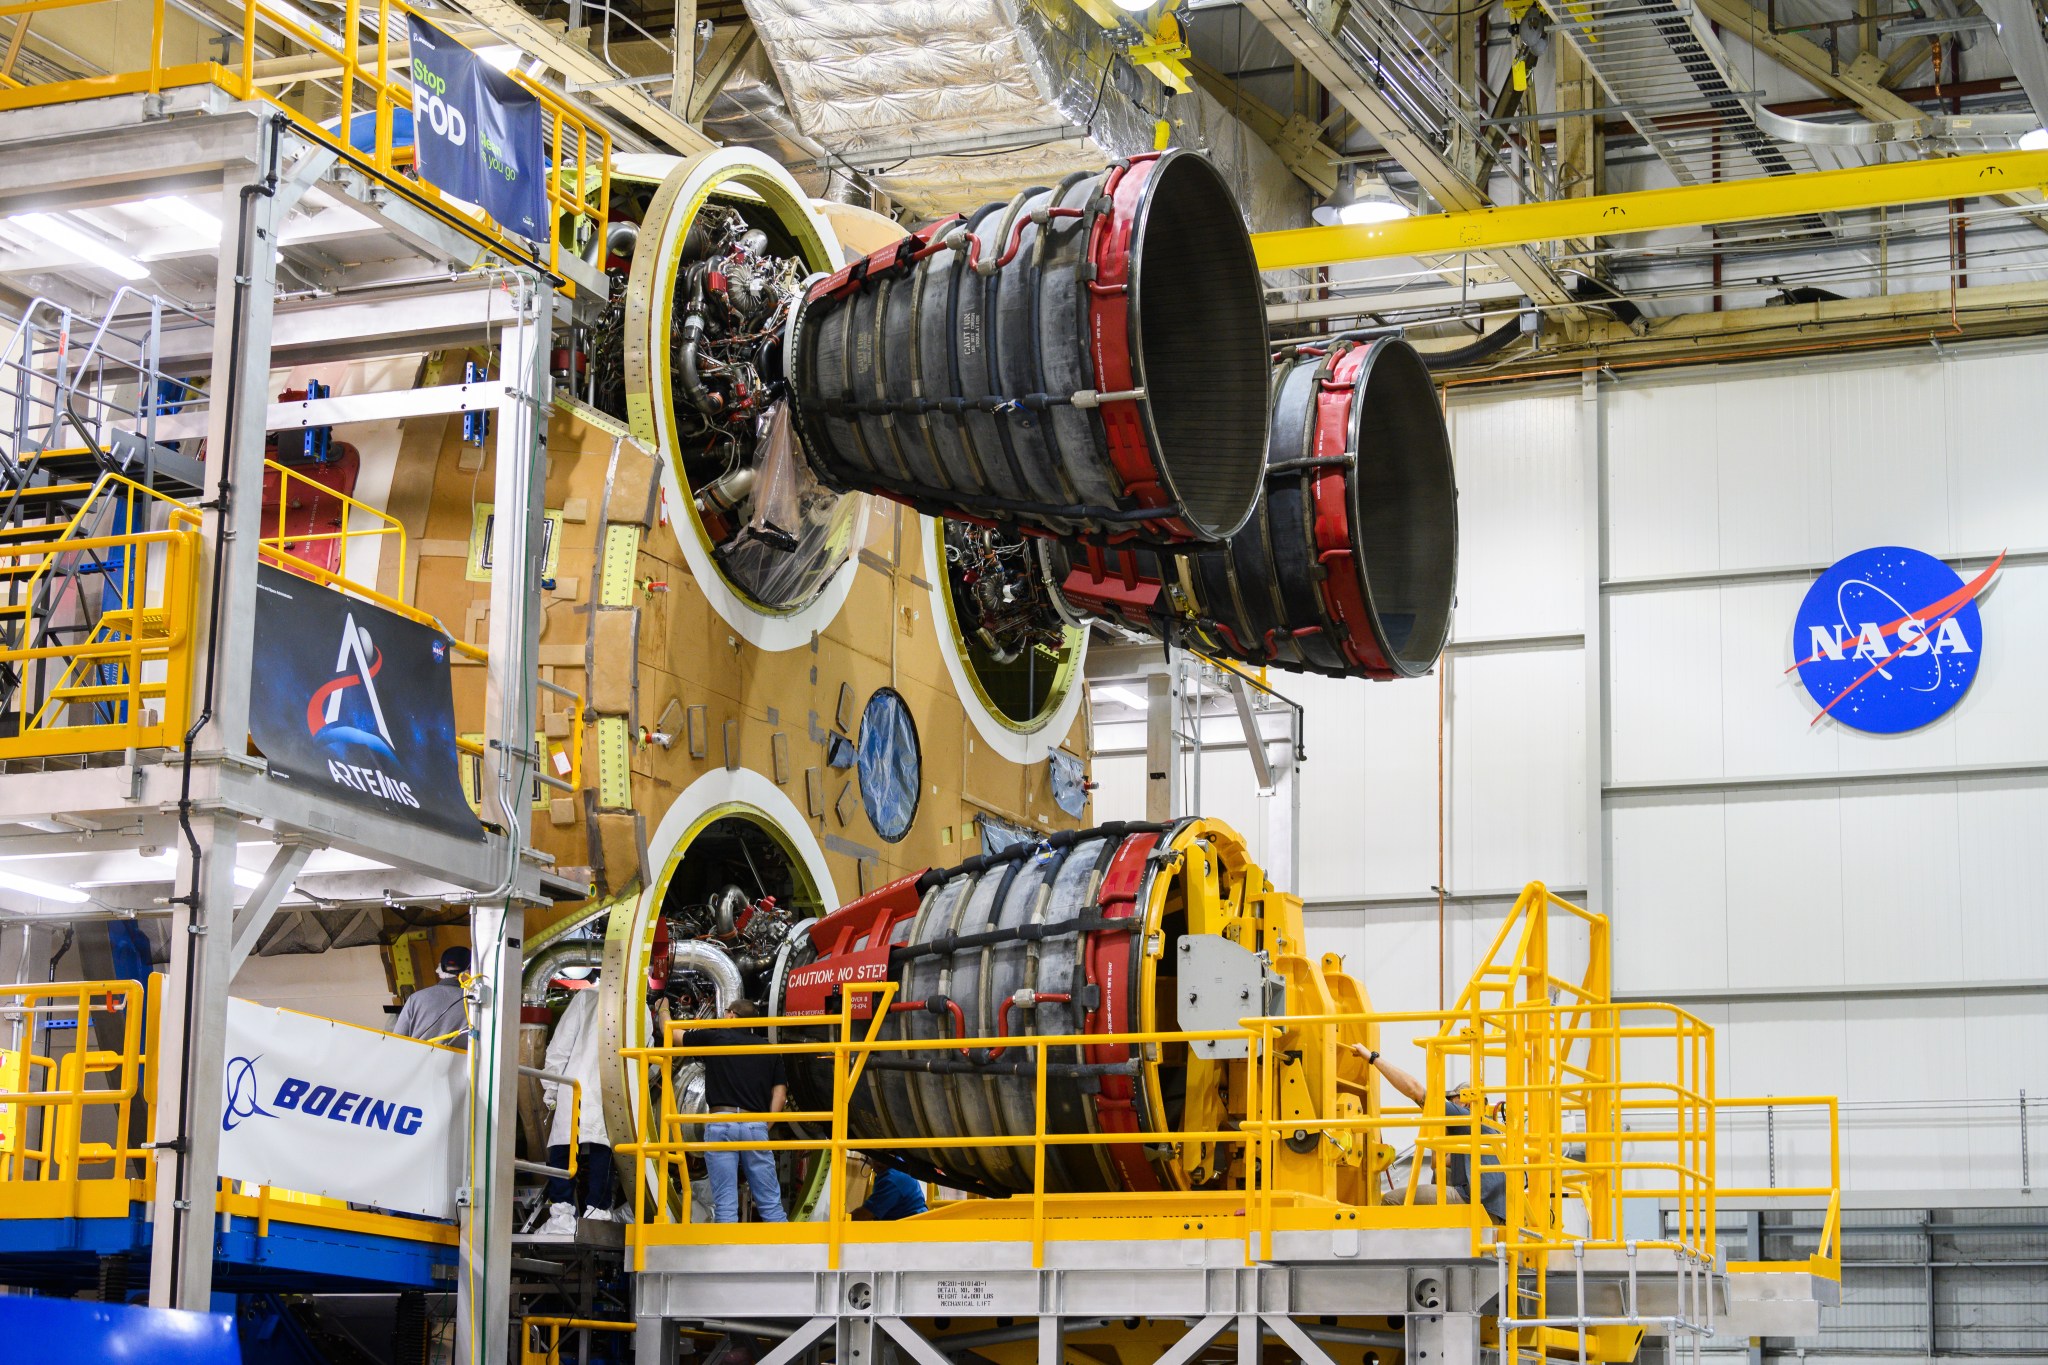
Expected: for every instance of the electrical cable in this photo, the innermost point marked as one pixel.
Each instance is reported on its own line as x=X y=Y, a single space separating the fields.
x=182 y=1210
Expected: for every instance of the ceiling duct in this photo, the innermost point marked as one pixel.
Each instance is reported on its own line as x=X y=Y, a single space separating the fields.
x=946 y=105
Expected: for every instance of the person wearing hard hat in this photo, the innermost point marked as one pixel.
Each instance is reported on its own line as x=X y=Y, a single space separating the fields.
x=574 y=1051
x=437 y=1013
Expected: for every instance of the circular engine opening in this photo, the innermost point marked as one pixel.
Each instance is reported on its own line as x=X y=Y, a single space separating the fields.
x=1405 y=502
x=733 y=892
x=707 y=320
x=1199 y=315
x=1020 y=656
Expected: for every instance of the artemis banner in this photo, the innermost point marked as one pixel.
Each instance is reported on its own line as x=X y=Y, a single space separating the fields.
x=354 y=702
x=476 y=133
x=328 y=1108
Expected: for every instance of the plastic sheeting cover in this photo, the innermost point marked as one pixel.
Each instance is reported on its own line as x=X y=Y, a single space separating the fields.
x=1069 y=782
x=1024 y=91
x=890 y=764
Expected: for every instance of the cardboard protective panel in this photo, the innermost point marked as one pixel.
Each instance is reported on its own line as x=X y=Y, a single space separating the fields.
x=614 y=660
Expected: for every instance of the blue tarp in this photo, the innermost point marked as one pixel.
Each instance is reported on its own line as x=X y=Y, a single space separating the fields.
x=891 y=767
x=81 y=1332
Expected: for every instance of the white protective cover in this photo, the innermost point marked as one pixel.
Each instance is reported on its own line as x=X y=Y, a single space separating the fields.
x=396 y=1141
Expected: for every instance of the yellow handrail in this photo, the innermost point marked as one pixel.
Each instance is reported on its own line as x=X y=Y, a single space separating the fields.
x=1527 y=1144
x=152 y=579
x=278 y=547
x=58 y=1152
x=551 y=1353
x=374 y=84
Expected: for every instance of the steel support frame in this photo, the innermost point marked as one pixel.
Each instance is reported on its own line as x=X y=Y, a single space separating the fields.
x=257 y=191
x=483 y=1318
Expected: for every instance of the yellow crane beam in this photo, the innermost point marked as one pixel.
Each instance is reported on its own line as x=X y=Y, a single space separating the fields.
x=1611 y=215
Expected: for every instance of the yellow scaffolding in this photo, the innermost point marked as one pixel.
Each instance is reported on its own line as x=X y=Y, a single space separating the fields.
x=1603 y=1108
x=374 y=82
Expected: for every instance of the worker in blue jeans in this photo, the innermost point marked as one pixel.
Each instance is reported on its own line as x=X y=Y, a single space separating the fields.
x=736 y=1083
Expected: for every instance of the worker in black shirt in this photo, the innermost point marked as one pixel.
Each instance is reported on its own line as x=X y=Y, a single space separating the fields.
x=741 y=1084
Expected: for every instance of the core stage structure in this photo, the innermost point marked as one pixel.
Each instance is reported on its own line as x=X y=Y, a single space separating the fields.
x=1146 y=1104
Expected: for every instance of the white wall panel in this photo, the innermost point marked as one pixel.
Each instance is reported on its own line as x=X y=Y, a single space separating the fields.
x=2007 y=1040
x=1395 y=837
x=1889 y=483
x=1518 y=745
x=1334 y=782
x=1521 y=514
x=1899 y=1049
x=2002 y=870
x=1998 y=482
x=1670 y=894
x=1773 y=492
x=1901 y=907
x=2002 y=719
x=1784 y=886
x=1766 y=714
x=1663 y=487
x=1664 y=685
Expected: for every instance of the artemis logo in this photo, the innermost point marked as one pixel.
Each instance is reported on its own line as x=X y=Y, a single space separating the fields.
x=345 y=715
x=324 y=710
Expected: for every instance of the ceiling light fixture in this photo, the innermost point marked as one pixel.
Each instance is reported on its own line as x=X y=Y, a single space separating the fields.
x=1135 y=6
x=90 y=250
x=1122 y=696
x=2036 y=141
x=186 y=215
x=499 y=58
x=49 y=891
x=1361 y=200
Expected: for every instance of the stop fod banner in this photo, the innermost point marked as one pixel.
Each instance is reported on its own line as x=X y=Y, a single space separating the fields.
x=477 y=133
x=328 y=1108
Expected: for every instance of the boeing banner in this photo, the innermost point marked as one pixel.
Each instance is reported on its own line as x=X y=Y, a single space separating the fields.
x=327 y=1108
x=354 y=701
x=477 y=133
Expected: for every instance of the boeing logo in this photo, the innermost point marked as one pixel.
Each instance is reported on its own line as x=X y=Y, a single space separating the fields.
x=1889 y=639
x=244 y=1101
x=242 y=1093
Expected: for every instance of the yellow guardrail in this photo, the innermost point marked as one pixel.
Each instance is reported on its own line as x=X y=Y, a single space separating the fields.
x=51 y=1168
x=1827 y=1256
x=1537 y=1158
x=1580 y=1140
x=125 y=682
x=540 y=1339
x=52 y=1095
x=284 y=549
x=372 y=73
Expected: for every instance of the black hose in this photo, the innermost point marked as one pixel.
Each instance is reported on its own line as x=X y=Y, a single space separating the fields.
x=223 y=510
x=1493 y=342
x=686 y=360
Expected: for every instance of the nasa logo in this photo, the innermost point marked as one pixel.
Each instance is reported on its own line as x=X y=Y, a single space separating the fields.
x=1889 y=639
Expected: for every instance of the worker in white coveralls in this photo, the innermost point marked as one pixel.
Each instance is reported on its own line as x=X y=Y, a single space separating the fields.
x=575 y=1051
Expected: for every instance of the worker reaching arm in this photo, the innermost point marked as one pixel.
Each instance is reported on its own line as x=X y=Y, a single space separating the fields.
x=1493 y=1184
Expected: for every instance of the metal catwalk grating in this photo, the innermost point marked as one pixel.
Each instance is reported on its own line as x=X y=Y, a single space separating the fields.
x=1655 y=55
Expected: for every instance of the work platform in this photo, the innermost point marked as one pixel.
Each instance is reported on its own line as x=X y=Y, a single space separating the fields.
x=1324 y=1294
x=260 y=1243
x=1280 y=1213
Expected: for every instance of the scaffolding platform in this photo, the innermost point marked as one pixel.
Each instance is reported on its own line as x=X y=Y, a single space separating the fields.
x=290 y=1247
